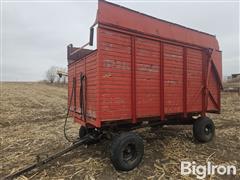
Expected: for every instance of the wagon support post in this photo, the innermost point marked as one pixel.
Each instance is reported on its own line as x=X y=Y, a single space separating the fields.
x=185 y=82
x=133 y=80
x=161 y=73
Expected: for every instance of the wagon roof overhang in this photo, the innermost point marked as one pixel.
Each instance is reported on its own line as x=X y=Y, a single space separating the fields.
x=115 y=15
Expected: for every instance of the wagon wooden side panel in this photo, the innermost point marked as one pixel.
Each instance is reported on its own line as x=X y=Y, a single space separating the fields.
x=195 y=81
x=71 y=75
x=144 y=71
x=115 y=76
x=213 y=94
x=147 y=67
x=84 y=66
x=91 y=86
x=173 y=79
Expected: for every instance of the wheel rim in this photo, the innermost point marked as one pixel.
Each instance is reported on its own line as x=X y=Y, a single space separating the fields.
x=129 y=153
x=208 y=129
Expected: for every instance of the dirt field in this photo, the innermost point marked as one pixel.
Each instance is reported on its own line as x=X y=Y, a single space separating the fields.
x=32 y=117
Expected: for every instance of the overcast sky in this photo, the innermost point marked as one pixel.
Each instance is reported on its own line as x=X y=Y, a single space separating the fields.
x=35 y=35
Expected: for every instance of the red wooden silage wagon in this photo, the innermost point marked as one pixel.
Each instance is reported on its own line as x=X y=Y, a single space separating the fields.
x=144 y=72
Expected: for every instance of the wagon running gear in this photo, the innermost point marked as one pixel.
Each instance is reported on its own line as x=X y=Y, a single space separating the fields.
x=126 y=151
x=203 y=129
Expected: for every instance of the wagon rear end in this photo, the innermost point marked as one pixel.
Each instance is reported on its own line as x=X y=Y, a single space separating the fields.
x=82 y=84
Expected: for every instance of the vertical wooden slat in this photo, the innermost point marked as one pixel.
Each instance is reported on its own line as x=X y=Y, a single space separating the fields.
x=209 y=68
x=161 y=81
x=133 y=80
x=98 y=79
x=204 y=64
x=85 y=90
x=74 y=94
x=185 y=82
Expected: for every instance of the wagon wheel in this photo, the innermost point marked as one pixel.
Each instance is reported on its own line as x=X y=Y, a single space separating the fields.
x=203 y=129
x=82 y=131
x=126 y=151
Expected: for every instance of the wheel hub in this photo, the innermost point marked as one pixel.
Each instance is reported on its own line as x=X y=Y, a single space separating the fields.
x=208 y=129
x=129 y=153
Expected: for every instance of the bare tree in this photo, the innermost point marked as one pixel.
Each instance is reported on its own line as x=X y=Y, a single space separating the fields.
x=51 y=74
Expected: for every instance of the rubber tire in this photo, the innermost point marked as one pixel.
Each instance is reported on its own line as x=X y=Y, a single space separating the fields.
x=117 y=148
x=199 y=127
x=82 y=132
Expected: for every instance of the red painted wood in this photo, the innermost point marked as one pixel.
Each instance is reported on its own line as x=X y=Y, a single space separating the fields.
x=140 y=70
x=162 y=113
x=133 y=79
x=111 y=14
x=185 y=76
